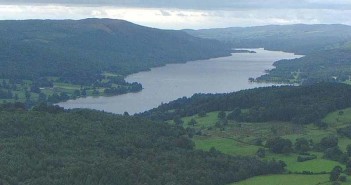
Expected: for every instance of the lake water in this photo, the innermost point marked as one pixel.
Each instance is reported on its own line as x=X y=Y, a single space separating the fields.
x=167 y=83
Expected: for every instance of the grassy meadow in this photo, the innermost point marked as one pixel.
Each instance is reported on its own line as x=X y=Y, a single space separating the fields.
x=241 y=139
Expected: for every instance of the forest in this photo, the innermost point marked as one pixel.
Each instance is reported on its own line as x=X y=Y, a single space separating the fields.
x=49 y=145
x=298 y=104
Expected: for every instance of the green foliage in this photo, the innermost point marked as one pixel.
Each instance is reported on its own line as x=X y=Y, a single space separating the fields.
x=279 y=145
x=302 y=145
x=192 y=122
x=222 y=115
x=304 y=158
x=301 y=104
x=335 y=173
x=290 y=179
x=50 y=146
x=329 y=142
x=322 y=66
x=261 y=152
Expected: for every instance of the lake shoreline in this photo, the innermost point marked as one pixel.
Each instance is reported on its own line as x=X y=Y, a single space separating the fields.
x=172 y=81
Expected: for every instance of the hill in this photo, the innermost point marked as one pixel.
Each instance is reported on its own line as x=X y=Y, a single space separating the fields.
x=93 y=54
x=299 y=38
x=327 y=50
x=306 y=127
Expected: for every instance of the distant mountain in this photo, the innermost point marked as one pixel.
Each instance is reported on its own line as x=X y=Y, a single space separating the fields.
x=300 y=38
x=78 y=51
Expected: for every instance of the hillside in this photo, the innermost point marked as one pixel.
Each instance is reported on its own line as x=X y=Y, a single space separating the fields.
x=48 y=145
x=300 y=38
x=306 y=127
x=332 y=65
x=298 y=104
x=327 y=50
x=95 y=53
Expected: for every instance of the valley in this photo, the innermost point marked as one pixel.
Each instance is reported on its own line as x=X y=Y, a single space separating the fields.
x=174 y=107
x=219 y=131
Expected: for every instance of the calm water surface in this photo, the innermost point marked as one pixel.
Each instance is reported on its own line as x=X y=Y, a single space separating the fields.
x=164 y=84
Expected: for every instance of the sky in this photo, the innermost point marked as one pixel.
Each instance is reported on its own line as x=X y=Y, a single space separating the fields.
x=185 y=14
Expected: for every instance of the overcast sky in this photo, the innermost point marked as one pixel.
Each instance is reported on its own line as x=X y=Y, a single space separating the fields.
x=179 y=14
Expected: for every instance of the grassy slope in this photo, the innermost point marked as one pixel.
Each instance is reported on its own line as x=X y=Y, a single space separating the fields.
x=286 y=180
x=236 y=139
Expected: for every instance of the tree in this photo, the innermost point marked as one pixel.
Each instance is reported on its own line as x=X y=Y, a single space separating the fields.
x=234 y=115
x=202 y=114
x=302 y=145
x=348 y=150
x=178 y=121
x=279 y=145
x=42 y=97
x=27 y=94
x=221 y=115
x=335 y=173
x=334 y=153
x=329 y=142
x=261 y=152
x=192 y=122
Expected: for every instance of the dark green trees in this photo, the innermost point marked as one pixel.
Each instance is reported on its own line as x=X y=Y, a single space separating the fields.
x=279 y=145
x=300 y=105
x=49 y=145
x=335 y=173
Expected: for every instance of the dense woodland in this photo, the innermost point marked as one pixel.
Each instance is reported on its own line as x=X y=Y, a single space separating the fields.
x=299 y=104
x=48 y=145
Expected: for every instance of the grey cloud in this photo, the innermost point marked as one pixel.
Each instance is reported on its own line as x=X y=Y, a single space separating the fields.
x=202 y=5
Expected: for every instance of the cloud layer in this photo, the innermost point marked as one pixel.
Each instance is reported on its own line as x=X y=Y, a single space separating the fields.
x=200 y=5
x=180 y=14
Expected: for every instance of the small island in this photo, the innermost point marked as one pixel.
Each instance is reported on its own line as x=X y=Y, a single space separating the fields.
x=242 y=51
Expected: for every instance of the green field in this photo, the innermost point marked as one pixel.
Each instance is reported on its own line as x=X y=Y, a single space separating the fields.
x=317 y=165
x=238 y=139
x=225 y=145
x=27 y=91
x=203 y=122
x=286 y=180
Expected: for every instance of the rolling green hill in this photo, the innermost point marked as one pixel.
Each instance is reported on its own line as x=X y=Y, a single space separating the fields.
x=306 y=127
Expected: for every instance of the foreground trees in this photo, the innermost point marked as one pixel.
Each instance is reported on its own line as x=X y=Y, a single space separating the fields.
x=49 y=145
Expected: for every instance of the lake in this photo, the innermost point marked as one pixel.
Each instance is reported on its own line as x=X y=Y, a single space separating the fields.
x=167 y=83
